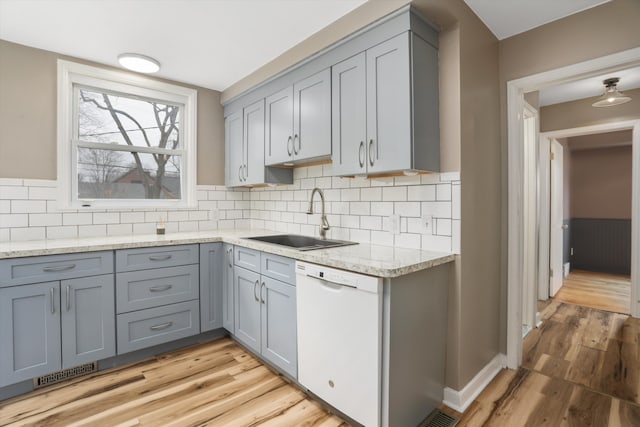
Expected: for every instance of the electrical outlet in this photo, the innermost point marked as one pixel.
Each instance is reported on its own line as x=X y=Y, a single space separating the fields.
x=214 y=215
x=394 y=224
x=427 y=224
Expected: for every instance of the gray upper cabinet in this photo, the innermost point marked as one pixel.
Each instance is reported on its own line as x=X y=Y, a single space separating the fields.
x=349 y=110
x=30 y=343
x=385 y=109
x=279 y=127
x=389 y=106
x=88 y=322
x=234 y=150
x=299 y=121
x=212 y=259
x=245 y=148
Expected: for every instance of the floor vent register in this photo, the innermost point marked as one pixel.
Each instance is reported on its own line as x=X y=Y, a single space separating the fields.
x=65 y=374
x=439 y=419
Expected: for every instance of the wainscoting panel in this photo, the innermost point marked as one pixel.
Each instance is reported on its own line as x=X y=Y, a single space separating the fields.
x=601 y=245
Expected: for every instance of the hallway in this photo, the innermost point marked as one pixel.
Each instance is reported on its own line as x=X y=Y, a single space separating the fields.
x=580 y=368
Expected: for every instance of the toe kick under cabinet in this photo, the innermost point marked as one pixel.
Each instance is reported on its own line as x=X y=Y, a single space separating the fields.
x=56 y=312
x=157 y=295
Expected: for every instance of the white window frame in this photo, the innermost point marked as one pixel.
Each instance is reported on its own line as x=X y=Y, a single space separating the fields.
x=70 y=74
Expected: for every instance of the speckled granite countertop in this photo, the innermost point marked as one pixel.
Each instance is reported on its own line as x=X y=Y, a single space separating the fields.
x=381 y=261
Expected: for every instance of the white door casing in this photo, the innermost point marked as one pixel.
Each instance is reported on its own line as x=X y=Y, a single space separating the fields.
x=556 y=230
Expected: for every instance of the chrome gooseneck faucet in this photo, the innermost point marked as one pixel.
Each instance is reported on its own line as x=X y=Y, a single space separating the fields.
x=324 y=224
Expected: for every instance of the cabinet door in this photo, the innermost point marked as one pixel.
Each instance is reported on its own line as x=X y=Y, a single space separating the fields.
x=247 y=290
x=211 y=283
x=312 y=116
x=228 y=295
x=29 y=331
x=349 y=116
x=278 y=146
x=279 y=335
x=389 y=145
x=233 y=144
x=88 y=319
x=254 y=143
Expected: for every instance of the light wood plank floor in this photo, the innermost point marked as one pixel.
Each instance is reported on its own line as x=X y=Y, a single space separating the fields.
x=604 y=291
x=212 y=384
x=580 y=368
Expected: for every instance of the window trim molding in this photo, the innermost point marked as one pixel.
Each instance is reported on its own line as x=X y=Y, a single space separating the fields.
x=70 y=73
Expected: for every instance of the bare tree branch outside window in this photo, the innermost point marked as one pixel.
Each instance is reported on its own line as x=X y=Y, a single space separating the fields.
x=119 y=121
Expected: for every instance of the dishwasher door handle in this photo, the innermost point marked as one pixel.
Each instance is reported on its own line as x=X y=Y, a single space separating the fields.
x=331 y=284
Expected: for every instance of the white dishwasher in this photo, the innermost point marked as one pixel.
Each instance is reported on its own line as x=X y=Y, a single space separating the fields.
x=339 y=339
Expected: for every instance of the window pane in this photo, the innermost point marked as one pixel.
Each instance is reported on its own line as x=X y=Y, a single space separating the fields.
x=108 y=174
x=121 y=119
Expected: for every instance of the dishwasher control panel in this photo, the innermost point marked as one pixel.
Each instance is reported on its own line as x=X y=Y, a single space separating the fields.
x=339 y=277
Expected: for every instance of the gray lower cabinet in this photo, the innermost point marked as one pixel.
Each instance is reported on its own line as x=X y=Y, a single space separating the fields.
x=212 y=263
x=158 y=294
x=30 y=343
x=278 y=319
x=265 y=308
x=247 y=308
x=158 y=325
x=228 y=293
x=88 y=320
x=53 y=325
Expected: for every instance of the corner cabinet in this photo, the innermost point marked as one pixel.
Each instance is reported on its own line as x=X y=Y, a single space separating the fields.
x=244 y=148
x=299 y=121
x=385 y=109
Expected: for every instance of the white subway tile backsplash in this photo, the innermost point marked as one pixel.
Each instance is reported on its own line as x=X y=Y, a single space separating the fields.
x=422 y=193
x=28 y=206
x=27 y=233
x=46 y=219
x=9 y=192
x=358 y=209
x=14 y=220
x=394 y=194
x=455 y=201
x=63 y=232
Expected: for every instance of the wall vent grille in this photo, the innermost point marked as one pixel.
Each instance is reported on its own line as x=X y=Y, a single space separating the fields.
x=65 y=374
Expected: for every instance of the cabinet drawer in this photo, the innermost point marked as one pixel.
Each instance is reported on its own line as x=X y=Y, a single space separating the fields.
x=153 y=326
x=279 y=268
x=19 y=271
x=137 y=290
x=147 y=258
x=247 y=258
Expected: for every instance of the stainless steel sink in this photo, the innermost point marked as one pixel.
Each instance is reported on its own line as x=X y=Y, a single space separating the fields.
x=301 y=243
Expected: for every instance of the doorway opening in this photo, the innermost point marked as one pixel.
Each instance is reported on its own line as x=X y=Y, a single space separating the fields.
x=586 y=215
x=517 y=194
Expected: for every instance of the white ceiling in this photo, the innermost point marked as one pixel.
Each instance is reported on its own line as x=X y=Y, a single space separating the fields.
x=506 y=18
x=209 y=43
x=590 y=87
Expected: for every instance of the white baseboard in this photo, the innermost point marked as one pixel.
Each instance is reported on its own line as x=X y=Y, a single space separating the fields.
x=460 y=400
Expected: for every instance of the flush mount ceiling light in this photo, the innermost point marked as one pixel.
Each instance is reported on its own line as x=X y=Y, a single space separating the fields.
x=139 y=63
x=611 y=96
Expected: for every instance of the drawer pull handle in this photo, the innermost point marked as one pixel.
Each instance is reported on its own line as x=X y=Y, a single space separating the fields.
x=161 y=326
x=160 y=257
x=58 y=268
x=160 y=288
